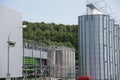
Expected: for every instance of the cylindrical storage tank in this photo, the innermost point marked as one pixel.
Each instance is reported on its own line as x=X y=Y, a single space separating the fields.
x=94 y=46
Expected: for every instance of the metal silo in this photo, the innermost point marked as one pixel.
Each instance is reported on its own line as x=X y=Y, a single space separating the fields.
x=98 y=46
x=93 y=45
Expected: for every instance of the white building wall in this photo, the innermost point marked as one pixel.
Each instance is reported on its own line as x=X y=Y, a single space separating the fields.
x=10 y=21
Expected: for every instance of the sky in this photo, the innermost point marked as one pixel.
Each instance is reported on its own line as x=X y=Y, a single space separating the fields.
x=57 y=11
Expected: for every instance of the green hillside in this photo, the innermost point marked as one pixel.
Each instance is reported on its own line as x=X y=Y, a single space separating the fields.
x=47 y=34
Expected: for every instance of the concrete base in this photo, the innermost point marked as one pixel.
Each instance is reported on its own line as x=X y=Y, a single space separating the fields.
x=8 y=76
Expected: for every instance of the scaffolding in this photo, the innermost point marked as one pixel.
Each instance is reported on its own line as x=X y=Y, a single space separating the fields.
x=34 y=61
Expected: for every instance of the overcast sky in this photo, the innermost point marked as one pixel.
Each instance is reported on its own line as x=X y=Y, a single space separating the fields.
x=58 y=11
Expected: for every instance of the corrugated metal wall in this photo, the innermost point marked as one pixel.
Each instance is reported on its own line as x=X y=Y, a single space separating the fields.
x=98 y=47
x=64 y=62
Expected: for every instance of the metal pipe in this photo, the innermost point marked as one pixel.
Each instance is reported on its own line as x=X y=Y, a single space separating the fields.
x=8 y=72
x=98 y=1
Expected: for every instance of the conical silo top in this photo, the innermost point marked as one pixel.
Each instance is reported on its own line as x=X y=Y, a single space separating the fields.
x=92 y=9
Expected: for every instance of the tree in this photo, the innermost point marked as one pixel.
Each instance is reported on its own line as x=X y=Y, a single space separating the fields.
x=52 y=34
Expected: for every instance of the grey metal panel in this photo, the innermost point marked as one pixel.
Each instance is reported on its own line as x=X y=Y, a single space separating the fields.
x=10 y=21
x=111 y=49
x=97 y=60
x=96 y=47
x=36 y=53
x=80 y=44
x=63 y=60
x=119 y=53
x=101 y=47
x=87 y=38
x=92 y=46
x=116 y=51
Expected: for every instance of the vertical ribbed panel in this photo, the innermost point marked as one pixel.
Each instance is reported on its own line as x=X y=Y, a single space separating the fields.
x=98 y=47
x=11 y=21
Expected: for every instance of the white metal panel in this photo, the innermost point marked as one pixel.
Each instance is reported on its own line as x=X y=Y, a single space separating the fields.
x=10 y=21
x=36 y=53
x=28 y=52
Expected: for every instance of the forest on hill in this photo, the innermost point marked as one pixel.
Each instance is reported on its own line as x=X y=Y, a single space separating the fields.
x=47 y=34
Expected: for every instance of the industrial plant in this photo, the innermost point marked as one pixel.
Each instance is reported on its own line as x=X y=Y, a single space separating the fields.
x=98 y=49
x=54 y=62
x=23 y=59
